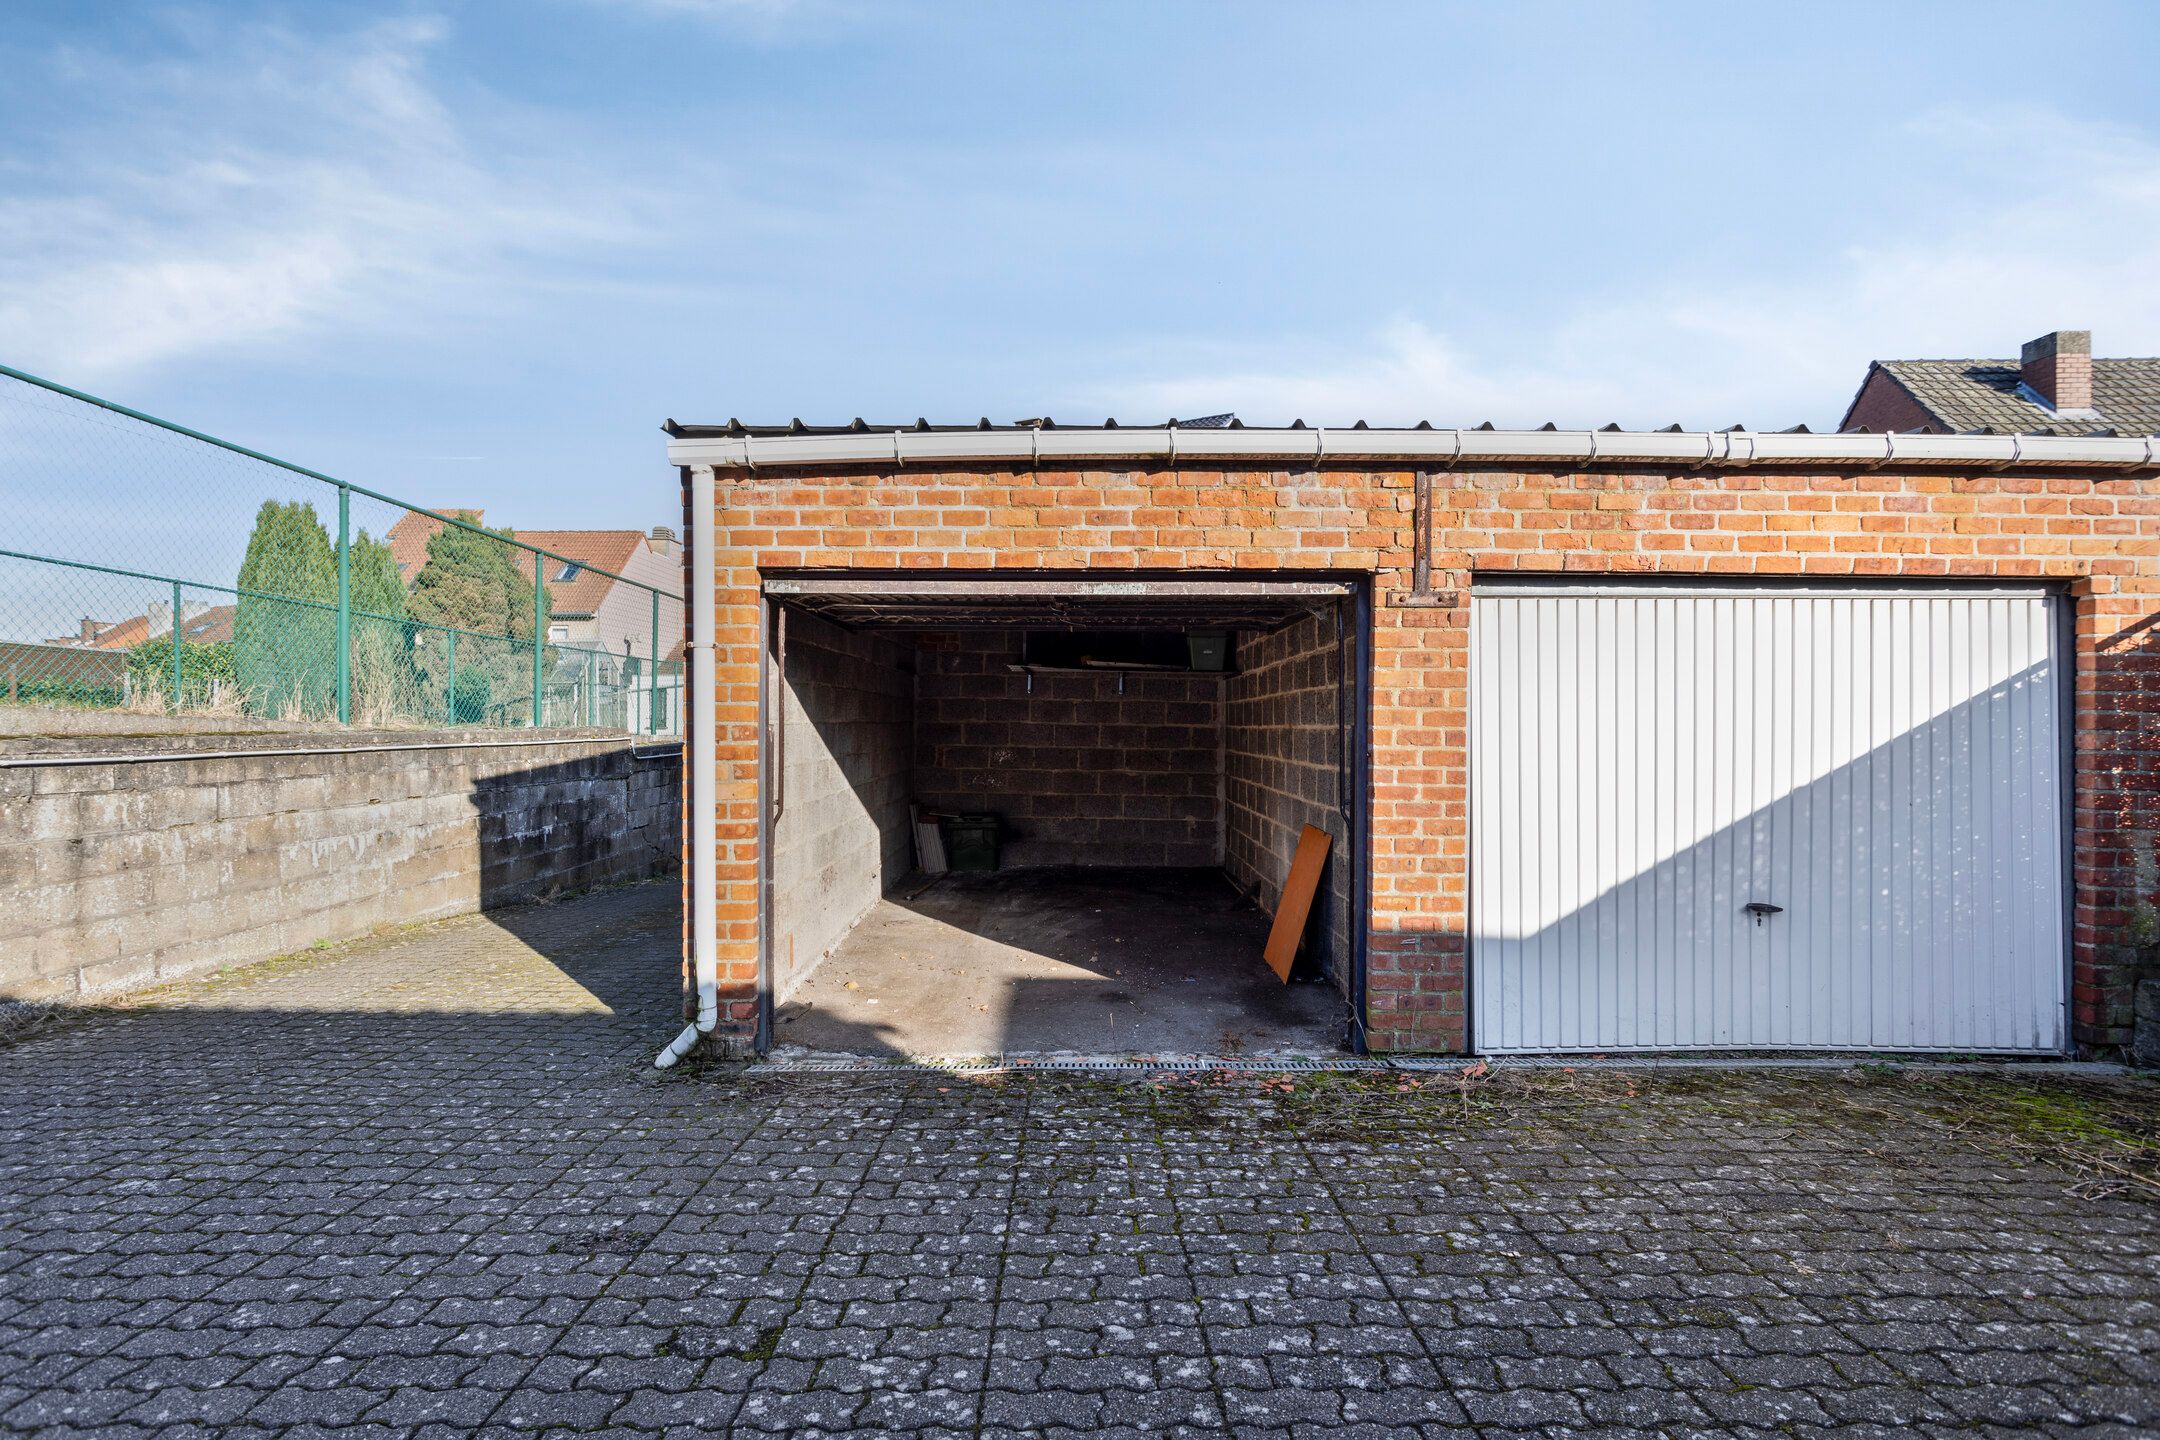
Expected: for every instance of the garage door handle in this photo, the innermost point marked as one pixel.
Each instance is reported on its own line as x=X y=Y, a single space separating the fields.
x=1762 y=910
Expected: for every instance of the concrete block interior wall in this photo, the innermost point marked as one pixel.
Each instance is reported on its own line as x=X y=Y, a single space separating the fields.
x=841 y=837
x=1284 y=737
x=1155 y=770
x=1080 y=773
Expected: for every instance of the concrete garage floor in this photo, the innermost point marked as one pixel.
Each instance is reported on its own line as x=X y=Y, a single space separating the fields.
x=1060 y=960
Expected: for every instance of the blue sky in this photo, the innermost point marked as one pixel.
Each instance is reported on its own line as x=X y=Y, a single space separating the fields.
x=474 y=253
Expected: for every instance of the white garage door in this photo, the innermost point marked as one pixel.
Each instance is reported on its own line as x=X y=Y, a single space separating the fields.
x=1885 y=768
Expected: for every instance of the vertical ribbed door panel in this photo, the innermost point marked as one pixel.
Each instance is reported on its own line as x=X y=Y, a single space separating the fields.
x=1883 y=767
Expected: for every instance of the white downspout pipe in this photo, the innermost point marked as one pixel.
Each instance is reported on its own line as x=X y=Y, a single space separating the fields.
x=703 y=756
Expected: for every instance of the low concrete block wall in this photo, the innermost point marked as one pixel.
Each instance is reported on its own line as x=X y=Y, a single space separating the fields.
x=190 y=852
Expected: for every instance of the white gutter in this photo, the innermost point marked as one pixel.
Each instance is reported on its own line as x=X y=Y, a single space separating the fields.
x=1443 y=447
x=702 y=754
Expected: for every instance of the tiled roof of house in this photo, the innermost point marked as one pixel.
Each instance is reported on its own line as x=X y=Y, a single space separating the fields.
x=211 y=627
x=122 y=634
x=573 y=588
x=409 y=538
x=1989 y=395
x=587 y=552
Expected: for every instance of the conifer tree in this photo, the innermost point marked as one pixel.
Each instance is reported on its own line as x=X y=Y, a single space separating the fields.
x=386 y=684
x=284 y=653
x=472 y=582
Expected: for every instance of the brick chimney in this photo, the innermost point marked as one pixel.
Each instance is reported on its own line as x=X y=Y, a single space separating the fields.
x=662 y=540
x=2058 y=368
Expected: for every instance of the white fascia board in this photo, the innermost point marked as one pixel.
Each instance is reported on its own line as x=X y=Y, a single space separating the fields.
x=1438 y=448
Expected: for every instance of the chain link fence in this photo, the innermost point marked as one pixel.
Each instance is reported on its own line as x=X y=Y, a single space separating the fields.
x=149 y=568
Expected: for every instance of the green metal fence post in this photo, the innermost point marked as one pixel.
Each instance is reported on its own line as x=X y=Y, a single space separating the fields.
x=344 y=604
x=176 y=681
x=657 y=713
x=450 y=695
x=588 y=687
x=539 y=604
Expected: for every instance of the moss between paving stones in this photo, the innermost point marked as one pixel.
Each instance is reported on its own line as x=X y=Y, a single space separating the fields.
x=2103 y=1136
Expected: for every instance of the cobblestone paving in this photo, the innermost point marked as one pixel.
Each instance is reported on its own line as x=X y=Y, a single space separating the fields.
x=430 y=1186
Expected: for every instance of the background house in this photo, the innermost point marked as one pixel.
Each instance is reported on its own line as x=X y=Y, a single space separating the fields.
x=2054 y=387
x=201 y=624
x=604 y=627
x=410 y=535
x=587 y=607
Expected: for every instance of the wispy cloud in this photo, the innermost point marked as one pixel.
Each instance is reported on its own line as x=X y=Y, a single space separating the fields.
x=261 y=185
x=703 y=9
x=758 y=19
x=2050 y=223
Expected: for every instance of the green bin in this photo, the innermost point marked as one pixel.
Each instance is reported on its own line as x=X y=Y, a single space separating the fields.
x=971 y=842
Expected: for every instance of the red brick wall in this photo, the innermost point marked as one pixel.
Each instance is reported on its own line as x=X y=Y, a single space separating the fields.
x=1884 y=405
x=2102 y=534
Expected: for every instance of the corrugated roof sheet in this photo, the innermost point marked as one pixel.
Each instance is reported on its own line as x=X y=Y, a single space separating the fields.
x=1986 y=395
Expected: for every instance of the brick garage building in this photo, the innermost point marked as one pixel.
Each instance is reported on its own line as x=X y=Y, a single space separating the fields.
x=1430 y=536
